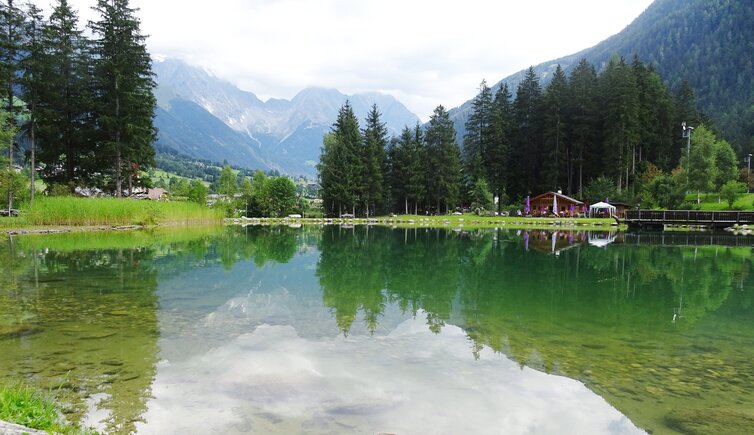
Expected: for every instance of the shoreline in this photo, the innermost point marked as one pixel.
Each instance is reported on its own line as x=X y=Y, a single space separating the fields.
x=56 y=229
x=465 y=221
x=449 y=222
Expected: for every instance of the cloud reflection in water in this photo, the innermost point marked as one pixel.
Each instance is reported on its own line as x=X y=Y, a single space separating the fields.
x=411 y=380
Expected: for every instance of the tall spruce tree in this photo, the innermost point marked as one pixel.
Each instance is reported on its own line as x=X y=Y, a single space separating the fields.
x=341 y=164
x=655 y=118
x=394 y=174
x=31 y=82
x=329 y=174
x=400 y=154
x=479 y=135
x=373 y=189
x=416 y=165
x=526 y=154
x=64 y=108
x=11 y=40
x=556 y=152
x=124 y=85
x=443 y=161
x=498 y=153
x=408 y=162
x=620 y=108
x=583 y=127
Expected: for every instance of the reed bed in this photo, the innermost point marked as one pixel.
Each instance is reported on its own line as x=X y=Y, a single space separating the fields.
x=68 y=211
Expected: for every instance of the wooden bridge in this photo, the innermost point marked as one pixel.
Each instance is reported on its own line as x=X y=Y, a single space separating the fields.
x=654 y=219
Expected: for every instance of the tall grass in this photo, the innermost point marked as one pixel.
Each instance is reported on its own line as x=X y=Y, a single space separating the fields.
x=69 y=211
x=21 y=405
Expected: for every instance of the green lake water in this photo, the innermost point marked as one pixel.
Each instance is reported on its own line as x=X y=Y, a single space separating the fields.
x=377 y=330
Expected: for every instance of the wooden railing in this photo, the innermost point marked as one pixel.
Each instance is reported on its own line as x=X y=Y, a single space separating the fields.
x=690 y=217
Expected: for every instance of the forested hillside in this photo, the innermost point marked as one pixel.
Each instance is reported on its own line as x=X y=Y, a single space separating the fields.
x=707 y=43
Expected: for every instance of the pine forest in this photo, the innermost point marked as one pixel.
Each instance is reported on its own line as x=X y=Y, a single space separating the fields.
x=617 y=134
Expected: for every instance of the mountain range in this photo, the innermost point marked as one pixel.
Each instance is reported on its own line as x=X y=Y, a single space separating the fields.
x=202 y=116
x=706 y=42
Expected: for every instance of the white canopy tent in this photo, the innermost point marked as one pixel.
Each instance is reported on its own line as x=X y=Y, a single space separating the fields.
x=601 y=206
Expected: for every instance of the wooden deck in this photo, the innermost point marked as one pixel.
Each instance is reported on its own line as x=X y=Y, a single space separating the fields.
x=653 y=219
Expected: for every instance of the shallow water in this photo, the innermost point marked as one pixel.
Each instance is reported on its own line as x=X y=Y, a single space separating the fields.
x=373 y=330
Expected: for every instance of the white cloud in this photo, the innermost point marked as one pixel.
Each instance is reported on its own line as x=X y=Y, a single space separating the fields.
x=424 y=52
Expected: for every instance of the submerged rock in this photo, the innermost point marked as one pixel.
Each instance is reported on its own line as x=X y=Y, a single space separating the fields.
x=15 y=331
x=15 y=429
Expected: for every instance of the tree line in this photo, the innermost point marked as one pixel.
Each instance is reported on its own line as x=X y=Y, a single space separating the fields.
x=616 y=134
x=82 y=105
x=365 y=171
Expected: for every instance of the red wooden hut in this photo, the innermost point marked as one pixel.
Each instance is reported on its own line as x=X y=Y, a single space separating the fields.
x=555 y=203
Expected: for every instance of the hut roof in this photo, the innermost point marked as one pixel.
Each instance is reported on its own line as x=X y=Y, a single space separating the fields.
x=559 y=195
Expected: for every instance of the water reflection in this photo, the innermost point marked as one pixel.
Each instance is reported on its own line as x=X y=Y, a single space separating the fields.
x=274 y=380
x=651 y=328
x=369 y=329
x=82 y=323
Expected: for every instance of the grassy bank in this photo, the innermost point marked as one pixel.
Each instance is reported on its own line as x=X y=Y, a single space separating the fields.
x=713 y=202
x=67 y=211
x=22 y=405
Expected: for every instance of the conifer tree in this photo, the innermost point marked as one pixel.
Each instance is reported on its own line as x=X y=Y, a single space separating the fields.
x=479 y=134
x=408 y=169
x=620 y=108
x=526 y=153
x=498 y=154
x=443 y=160
x=416 y=166
x=31 y=81
x=655 y=118
x=373 y=180
x=399 y=161
x=11 y=40
x=329 y=175
x=341 y=164
x=555 y=146
x=64 y=123
x=583 y=126
x=123 y=89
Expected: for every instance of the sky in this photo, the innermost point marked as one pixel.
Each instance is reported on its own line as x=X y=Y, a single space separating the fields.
x=423 y=52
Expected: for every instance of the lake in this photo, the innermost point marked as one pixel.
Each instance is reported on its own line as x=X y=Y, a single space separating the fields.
x=378 y=330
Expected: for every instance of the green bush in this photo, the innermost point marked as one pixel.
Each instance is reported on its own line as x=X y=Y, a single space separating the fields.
x=18 y=183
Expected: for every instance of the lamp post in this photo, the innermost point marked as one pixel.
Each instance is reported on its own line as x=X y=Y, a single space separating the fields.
x=748 y=178
x=687 y=129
